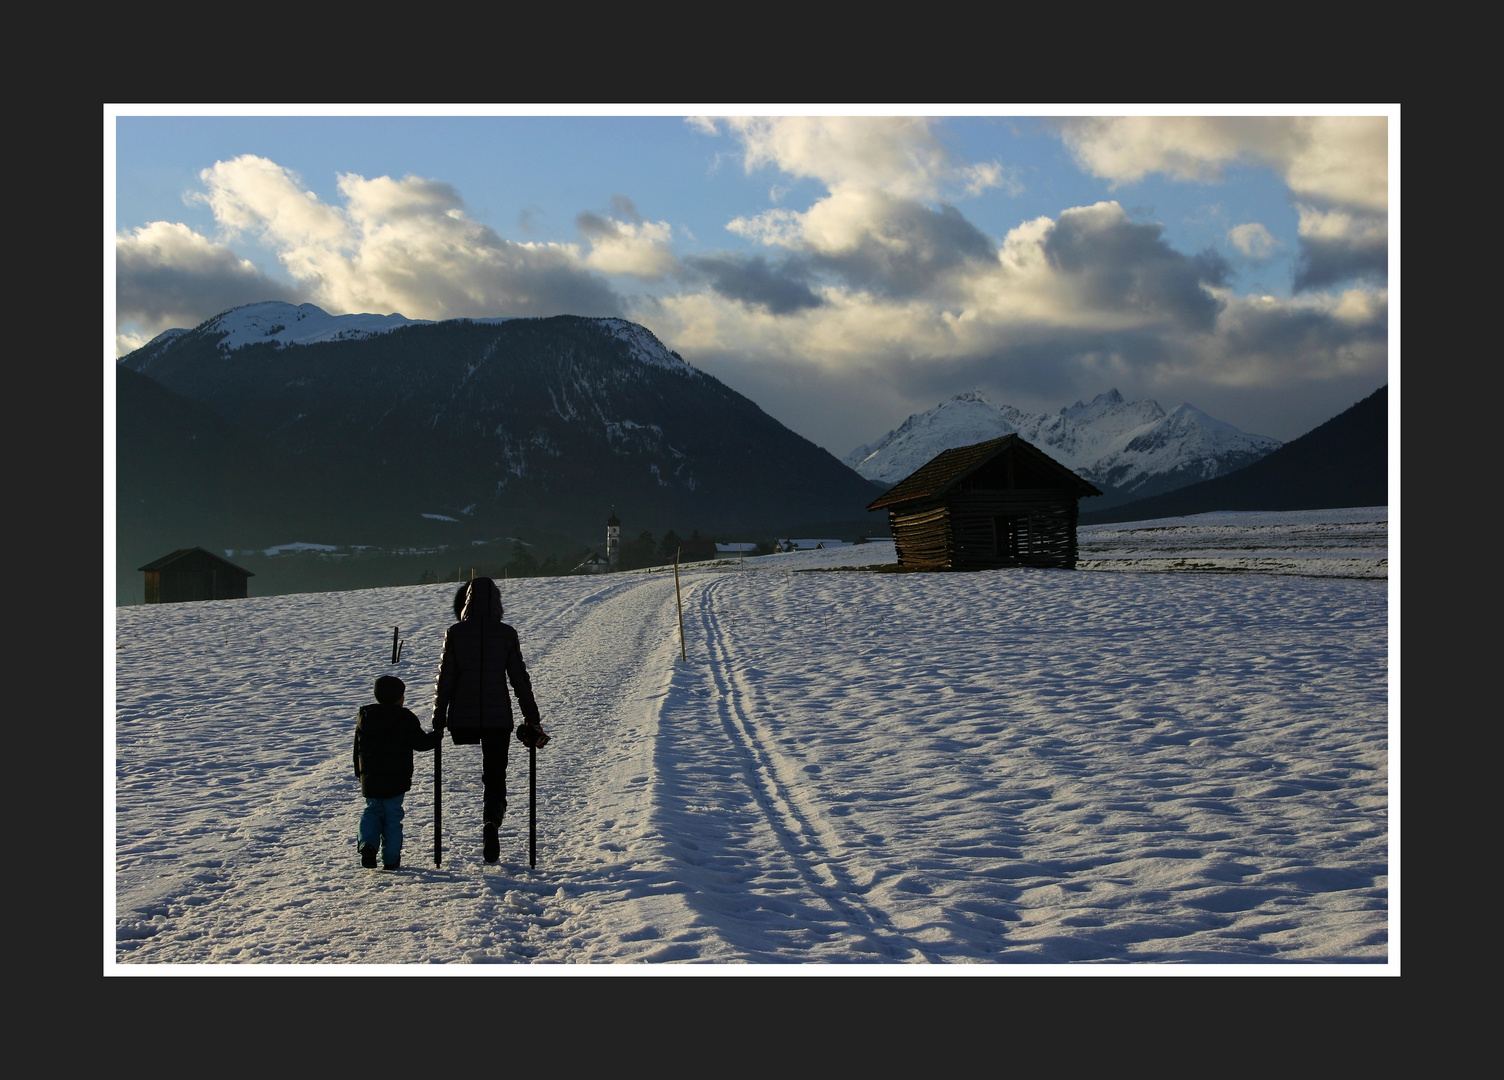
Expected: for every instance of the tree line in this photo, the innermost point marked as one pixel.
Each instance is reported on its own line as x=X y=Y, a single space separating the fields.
x=635 y=554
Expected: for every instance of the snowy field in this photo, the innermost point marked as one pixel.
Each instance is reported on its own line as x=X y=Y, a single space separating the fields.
x=1174 y=760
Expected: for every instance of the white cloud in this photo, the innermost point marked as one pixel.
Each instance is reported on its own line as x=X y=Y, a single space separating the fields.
x=775 y=228
x=253 y=194
x=881 y=225
x=898 y=154
x=639 y=249
x=1253 y=240
x=1342 y=160
x=405 y=245
x=1342 y=226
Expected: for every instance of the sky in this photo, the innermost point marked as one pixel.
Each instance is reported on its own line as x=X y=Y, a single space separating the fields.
x=842 y=267
x=1117 y=770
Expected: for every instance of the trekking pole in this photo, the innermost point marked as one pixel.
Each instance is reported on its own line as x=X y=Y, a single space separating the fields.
x=438 y=801
x=532 y=804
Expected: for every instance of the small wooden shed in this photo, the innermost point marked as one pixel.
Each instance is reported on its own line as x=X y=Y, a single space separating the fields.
x=993 y=504
x=194 y=574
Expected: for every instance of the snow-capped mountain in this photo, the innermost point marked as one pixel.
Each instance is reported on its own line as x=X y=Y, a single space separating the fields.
x=1127 y=448
x=382 y=426
x=276 y=322
x=281 y=324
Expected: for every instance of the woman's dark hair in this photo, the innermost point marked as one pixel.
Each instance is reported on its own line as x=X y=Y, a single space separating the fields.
x=459 y=602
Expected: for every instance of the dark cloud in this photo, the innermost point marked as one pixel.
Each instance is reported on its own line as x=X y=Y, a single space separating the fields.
x=1324 y=262
x=625 y=209
x=557 y=289
x=1122 y=266
x=519 y=286
x=909 y=250
x=752 y=280
x=1056 y=365
x=161 y=289
x=1211 y=268
x=595 y=227
x=1311 y=338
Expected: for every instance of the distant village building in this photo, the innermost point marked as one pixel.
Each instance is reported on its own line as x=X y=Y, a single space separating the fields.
x=998 y=503
x=809 y=544
x=594 y=564
x=613 y=541
x=194 y=574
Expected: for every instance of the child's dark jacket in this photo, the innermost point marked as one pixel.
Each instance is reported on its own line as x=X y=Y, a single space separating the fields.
x=385 y=738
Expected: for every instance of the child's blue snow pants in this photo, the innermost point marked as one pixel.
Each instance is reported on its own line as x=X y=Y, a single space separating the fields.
x=381 y=826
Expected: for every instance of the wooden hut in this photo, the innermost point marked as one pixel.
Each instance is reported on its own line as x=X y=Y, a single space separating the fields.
x=194 y=574
x=998 y=503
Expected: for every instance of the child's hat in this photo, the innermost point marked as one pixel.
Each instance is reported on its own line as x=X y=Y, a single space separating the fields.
x=389 y=689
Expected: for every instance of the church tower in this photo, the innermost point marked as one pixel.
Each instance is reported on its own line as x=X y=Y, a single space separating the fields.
x=613 y=540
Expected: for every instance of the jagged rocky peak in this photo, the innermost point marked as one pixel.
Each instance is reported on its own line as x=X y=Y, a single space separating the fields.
x=1186 y=415
x=1100 y=403
x=972 y=395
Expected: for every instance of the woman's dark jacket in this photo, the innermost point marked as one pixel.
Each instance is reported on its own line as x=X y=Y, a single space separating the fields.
x=385 y=738
x=481 y=655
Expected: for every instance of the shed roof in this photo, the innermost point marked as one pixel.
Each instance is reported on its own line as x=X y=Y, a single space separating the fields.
x=949 y=467
x=192 y=559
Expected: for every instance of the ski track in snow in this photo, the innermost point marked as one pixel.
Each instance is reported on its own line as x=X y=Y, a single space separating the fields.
x=1014 y=767
x=772 y=873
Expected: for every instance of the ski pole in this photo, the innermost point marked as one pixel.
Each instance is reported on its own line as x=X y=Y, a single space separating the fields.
x=438 y=801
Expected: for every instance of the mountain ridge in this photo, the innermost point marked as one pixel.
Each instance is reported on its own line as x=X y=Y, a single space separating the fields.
x=470 y=429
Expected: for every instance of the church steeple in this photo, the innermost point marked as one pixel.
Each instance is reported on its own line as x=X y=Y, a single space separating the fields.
x=613 y=540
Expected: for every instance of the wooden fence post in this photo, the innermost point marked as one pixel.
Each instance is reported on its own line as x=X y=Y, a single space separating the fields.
x=679 y=599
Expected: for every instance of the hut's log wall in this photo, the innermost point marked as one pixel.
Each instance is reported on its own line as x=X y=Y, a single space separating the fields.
x=180 y=585
x=921 y=536
x=1043 y=526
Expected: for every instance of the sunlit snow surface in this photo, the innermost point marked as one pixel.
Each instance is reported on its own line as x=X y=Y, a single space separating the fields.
x=1005 y=768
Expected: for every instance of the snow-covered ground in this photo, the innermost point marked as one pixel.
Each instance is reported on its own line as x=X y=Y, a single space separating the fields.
x=1004 y=768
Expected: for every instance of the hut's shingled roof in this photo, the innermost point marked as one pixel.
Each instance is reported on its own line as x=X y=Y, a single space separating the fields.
x=193 y=557
x=949 y=467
